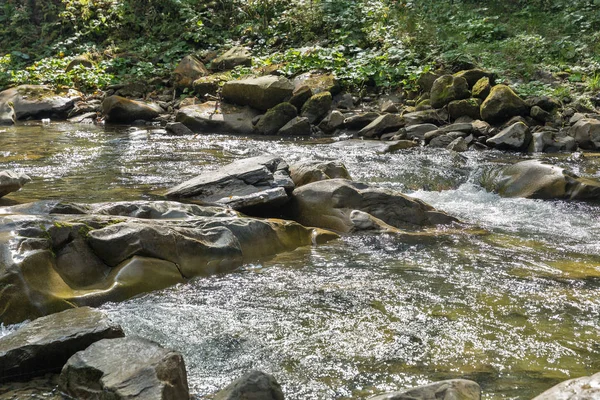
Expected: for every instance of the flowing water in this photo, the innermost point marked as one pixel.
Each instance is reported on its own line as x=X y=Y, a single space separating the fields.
x=515 y=307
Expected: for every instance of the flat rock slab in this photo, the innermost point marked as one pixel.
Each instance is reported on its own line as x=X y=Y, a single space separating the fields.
x=454 y=389
x=375 y=146
x=36 y=101
x=124 y=369
x=244 y=184
x=45 y=345
x=11 y=181
x=259 y=93
x=584 y=388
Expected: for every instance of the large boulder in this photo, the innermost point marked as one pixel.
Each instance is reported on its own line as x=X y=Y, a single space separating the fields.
x=119 y=110
x=448 y=88
x=125 y=369
x=11 y=181
x=551 y=142
x=44 y=345
x=472 y=76
x=260 y=93
x=536 y=180
x=233 y=57
x=257 y=182
x=308 y=171
x=317 y=107
x=586 y=133
x=584 y=388
x=276 y=118
x=187 y=71
x=318 y=82
x=464 y=108
x=328 y=204
x=255 y=385
x=37 y=102
x=515 y=137
x=502 y=104
x=60 y=255
x=453 y=389
x=210 y=85
x=213 y=117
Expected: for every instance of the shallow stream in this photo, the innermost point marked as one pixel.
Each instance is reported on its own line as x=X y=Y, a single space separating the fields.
x=515 y=307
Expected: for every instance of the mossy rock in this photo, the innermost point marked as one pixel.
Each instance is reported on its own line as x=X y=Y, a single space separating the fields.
x=466 y=107
x=482 y=88
x=472 y=76
x=187 y=71
x=448 y=88
x=276 y=118
x=502 y=104
x=209 y=85
x=317 y=107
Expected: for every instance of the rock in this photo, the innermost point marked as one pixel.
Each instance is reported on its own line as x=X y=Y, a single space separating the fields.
x=332 y=121
x=544 y=102
x=276 y=118
x=540 y=115
x=419 y=131
x=482 y=128
x=586 y=133
x=344 y=101
x=187 y=71
x=426 y=80
x=502 y=104
x=359 y=121
x=11 y=181
x=301 y=96
x=120 y=110
x=383 y=123
x=125 y=369
x=318 y=82
x=308 y=171
x=466 y=107
x=448 y=88
x=80 y=60
x=441 y=141
x=388 y=106
x=317 y=107
x=329 y=203
x=36 y=102
x=459 y=145
x=438 y=117
x=541 y=141
x=377 y=147
x=242 y=185
x=232 y=58
x=133 y=89
x=253 y=385
x=482 y=89
x=45 y=344
x=536 y=180
x=260 y=93
x=472 y=76
x=586 y=387
x=296 y=127
x=213 y=117
x=209 y=85
x=177 y=128
x=454 y=389
x=516 y=137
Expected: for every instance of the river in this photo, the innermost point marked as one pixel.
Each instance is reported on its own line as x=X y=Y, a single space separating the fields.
x=516 y=308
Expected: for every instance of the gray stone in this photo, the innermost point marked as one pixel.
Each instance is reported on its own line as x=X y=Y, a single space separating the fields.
x=459 y=145
x=276 y=118
x=344 y=101
x=35 y=101
x=419 y=131
x=177 y=128
x=233 y=57
x=44 y=345
x=472 y=76
x=260 y=93
x=317 y=107
x=331 y=122
x=540 y=141
x=125 y=369
x=187 y=71
x=383 y=123
x=466 y=107
x=437 y=117
x=584 y=388
x=300 y=96
x=540 y=114
x=308 y=171
x=441 y=141
x=378 y=147
x=454 y=389
x=516 y=137
x=120 y=110
x=299 y=126
x=586 y=133
x=11 y=181
x=255 y=385
x=359 y=121
x=213 y=117
x=448 y=88
x=318 y=82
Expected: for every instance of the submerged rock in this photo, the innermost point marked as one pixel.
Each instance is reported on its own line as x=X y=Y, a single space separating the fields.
x=11 y=181
x=213 y=117
x=454 y=389
x=125 y=369
x=45 y=345
x=119 y=110
x=35 y=101
x=259 y=93
x=328 y=204
x=255 y=385
x=533 y=179
x=586 y=387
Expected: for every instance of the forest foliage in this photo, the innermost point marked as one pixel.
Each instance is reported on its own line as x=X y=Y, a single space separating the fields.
x=383 y=43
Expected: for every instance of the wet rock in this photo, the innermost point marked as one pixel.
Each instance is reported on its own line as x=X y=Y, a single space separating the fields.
x=516 y=137
x=177 y=128
x=377 y=147
x=78 y=265
x=260 y=93
x=359 y=121
x=120 y=110
x=11 y=181
x=308 y=171
x=383 y=123
x=418 y=131
x=536 y=180
x=459 y=145
x=467 y=107
x=299 y=126
x=332 y=121
x=586 y=387
x=317 y=107
x=502 y=104
x=253 y=385
x=45 y=345
x=37 y=102
x=213 y=117
x=187 y=71
x=328 y=204
x=586 y=133
x=232 y=58
x=276 y=118
x=448 y=88
x=125 y=368
x=318 y=82
x=454 y=389
x=257 y=181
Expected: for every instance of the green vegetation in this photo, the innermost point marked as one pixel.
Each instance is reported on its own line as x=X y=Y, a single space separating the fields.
x=385 y=43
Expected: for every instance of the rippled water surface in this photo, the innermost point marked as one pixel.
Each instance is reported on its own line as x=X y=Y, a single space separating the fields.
x=512 y=303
